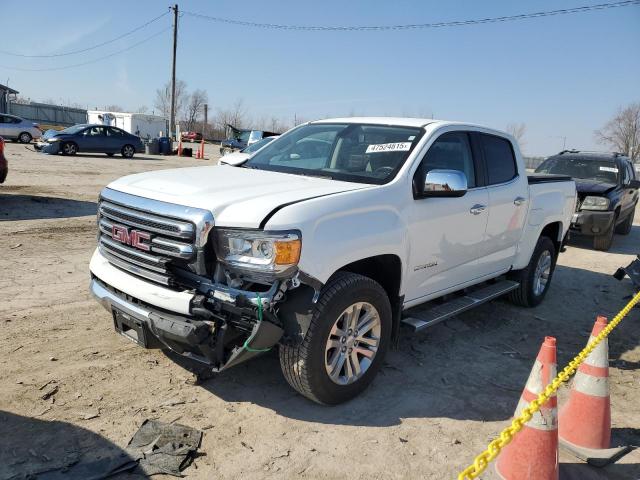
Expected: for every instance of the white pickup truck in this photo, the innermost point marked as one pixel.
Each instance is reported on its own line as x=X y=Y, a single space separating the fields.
x=324 y=242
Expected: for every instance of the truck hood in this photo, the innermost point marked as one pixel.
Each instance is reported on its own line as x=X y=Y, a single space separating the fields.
x=598 y=187
x=237 y=197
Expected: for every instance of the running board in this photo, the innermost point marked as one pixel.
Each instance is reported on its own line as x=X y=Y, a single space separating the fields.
x=425 y=316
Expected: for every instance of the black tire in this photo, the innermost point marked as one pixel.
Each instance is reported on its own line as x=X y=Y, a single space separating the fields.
x=525 y=295
x=69 y=148
x=25 y=137
x=303 y=365
x=625 y=227
x=110 y=154
x=128 y=151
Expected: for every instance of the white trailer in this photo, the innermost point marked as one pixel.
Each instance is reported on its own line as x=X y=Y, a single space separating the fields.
x=141 y=124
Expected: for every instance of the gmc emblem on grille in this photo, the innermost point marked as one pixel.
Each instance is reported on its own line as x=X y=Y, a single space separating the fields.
x=135 y=238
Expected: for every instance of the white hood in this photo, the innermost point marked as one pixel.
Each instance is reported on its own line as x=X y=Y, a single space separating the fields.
x=237 y=197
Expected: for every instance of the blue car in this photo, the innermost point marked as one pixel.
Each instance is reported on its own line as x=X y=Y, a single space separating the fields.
x=91 y=139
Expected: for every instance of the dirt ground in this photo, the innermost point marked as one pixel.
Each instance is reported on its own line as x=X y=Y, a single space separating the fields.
x=440 y=398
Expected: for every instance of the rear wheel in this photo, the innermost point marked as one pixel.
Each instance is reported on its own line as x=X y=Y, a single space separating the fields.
x=25 y=137
x=535 y=278
x=345 y=345
x=625 y=227
x=128 y=151
x=69 y=148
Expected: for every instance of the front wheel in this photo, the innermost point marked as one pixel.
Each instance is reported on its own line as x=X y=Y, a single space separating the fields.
x=128 y=151
x=536 y=277
x=348 y=337
x=25 y=137
x=603 y=242
x=69 y=148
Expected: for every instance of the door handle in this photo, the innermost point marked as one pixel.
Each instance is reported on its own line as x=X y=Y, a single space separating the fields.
x=477 y=209
x=519 y=201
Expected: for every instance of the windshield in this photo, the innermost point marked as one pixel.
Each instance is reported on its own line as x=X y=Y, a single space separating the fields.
x=74 y=129
x=587 y=169
x=352 y=152
x=258 y=145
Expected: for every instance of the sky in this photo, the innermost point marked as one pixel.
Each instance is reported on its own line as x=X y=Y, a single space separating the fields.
x=562 y=76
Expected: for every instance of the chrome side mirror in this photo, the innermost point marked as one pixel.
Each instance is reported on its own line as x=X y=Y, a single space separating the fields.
x=444 y=183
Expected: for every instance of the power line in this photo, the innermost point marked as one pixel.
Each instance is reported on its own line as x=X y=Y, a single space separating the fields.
x=459 y=23
x=86 y=49
x=65 y=67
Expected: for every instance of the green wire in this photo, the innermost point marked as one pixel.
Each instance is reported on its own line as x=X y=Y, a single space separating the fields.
x=246 y=342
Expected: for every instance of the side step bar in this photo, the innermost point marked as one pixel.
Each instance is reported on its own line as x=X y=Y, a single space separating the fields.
x=425 y=316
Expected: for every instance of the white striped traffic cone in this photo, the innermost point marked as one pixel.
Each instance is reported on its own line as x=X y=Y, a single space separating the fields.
x=533 y=452
x=585 y=420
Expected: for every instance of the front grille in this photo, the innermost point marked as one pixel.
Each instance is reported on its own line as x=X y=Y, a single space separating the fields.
x=177 y=236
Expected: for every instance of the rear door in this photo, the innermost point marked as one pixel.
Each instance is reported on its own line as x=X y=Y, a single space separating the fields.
x=115 y=139
x=3 y=127
x=508 y=203
x=446 y=234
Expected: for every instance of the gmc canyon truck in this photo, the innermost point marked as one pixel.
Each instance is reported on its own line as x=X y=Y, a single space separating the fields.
x=324 y=242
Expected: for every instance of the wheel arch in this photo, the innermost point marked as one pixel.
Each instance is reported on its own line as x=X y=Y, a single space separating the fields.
x=553 y=231
x=385 y=269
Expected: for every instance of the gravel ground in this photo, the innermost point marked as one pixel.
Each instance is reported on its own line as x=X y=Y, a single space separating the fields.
x=437 y=402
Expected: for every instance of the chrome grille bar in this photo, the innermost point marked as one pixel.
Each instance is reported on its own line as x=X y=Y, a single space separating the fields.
x=135 y=256
x=163 y=246
x=146 y=221
x=142 y=272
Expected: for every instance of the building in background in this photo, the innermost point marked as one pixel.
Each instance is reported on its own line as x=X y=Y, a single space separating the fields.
x=4 y=97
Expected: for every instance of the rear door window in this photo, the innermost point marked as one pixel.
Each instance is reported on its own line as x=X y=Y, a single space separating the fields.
x=499 y=159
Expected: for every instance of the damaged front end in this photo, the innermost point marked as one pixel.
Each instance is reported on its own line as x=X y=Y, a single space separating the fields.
x=216 y=295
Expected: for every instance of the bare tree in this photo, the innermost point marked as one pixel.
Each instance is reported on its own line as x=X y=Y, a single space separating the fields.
x=163 y=98
x=114 y=108
x=622 y=132
x=518 y=131
x=142 y=109
x=194 y=107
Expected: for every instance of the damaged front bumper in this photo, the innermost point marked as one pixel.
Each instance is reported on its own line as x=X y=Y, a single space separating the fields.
x=199 y=338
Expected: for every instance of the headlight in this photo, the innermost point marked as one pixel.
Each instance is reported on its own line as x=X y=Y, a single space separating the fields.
x=258 y=251
x=52 y=140
x=595 y=203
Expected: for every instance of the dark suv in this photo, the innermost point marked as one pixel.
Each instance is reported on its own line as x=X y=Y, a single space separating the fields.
x=607 y=188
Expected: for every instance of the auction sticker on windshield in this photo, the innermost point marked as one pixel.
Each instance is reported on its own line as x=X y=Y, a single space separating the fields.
x=389 y=147
x=609 y=169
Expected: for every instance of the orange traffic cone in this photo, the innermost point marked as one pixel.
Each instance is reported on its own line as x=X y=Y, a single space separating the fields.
x=533 y=452
x=585 y=420
x=202 y=148
x=180 y=148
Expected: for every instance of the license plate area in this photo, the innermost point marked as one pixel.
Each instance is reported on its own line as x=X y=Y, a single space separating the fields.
x=130 y=328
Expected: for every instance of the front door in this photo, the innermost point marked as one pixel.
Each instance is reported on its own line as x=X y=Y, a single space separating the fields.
x=445 y=234
x=92 y=139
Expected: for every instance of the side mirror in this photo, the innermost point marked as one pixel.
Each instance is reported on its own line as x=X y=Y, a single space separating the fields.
x=634 y=184
x=444 y=183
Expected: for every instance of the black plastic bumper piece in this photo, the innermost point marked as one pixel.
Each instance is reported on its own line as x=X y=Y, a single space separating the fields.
x=592 y=223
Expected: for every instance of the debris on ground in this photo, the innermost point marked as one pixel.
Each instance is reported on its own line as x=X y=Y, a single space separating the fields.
x=164 y=448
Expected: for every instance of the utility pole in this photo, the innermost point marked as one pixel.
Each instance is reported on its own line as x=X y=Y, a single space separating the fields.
x=206 y=114
x=172 y=116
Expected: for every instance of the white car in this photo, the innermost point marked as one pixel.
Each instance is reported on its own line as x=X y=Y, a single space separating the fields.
x=325 y=242
x=238 y=158
x=17 y=128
